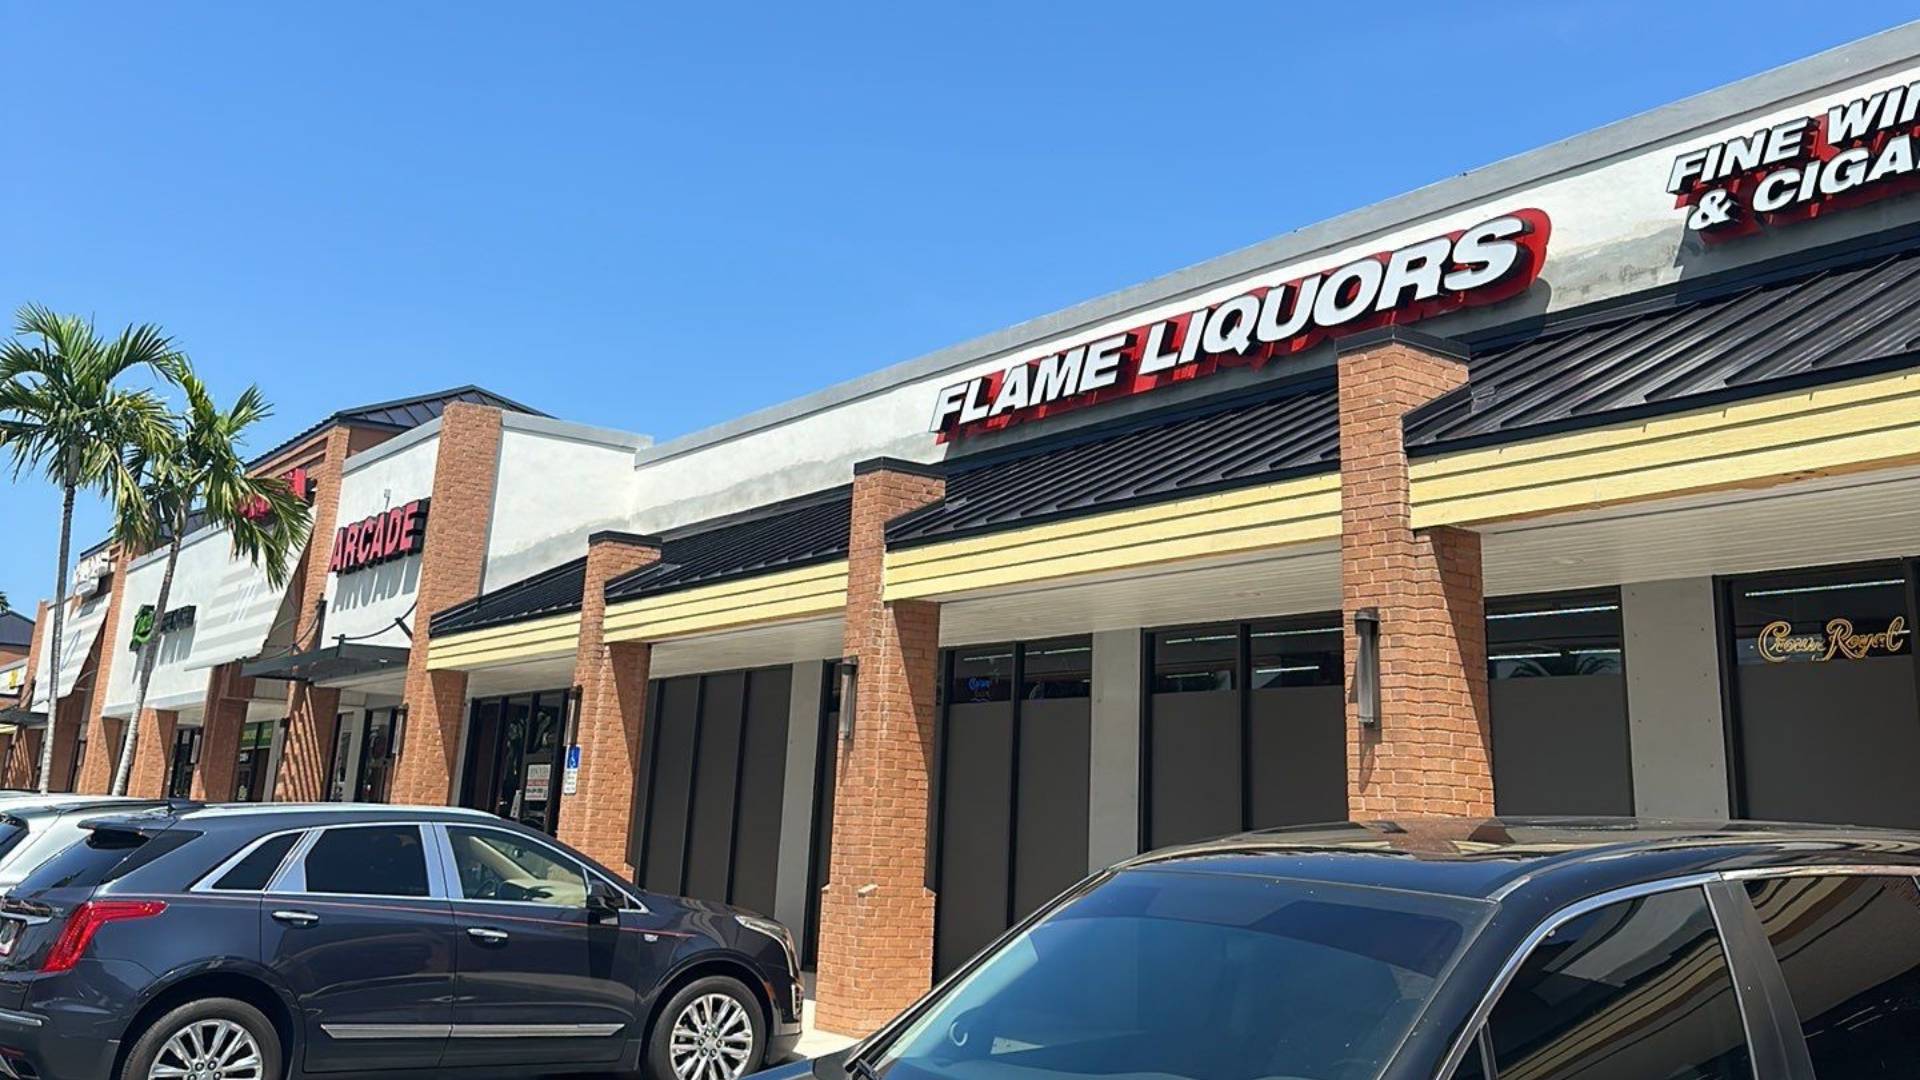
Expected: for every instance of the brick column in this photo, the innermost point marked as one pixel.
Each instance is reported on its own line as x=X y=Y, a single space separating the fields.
x=224 y=717
x=68 y=713
x=313 y=711
x=876 y=922
x=103 y=734
x=612 y=677
x=451 y=569
x=153 y=754
x=21 y=772
x=25 y=760
x=1431 y=751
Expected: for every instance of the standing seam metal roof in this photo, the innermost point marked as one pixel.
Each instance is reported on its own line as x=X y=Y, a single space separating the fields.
x=549 y=592
x=800 y=533
x=1162 y=456
x=1827 y=324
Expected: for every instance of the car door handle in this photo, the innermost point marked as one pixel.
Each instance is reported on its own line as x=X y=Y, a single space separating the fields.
x=296 y=918
x=486 y=934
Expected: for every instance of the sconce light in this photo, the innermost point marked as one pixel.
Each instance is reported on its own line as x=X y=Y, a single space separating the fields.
x=849 y=695
x=399 y=730
x=1366 y=666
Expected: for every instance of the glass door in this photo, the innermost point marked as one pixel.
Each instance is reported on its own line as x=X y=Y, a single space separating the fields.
x=252 y=775
x=513 y=757
x=186 y=755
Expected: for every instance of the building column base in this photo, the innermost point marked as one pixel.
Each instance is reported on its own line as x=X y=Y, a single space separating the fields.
x=153 y=754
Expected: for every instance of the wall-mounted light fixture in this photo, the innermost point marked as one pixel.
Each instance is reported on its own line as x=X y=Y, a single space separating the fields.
x=399 y=731
x=849 y=695
x=1366 y=666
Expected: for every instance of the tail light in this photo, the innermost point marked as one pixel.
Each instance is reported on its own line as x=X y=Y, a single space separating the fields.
x=86 y=921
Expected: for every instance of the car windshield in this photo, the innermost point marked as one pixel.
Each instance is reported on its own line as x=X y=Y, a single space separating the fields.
x=1208 y=976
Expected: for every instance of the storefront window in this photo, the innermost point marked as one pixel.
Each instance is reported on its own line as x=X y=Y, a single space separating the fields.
x=1826 y=718
x=1195 y=660
x=1561 y=634
x=1559 y=701
x=362 y=756
x=1284 y=654
x=981 y=674
x=1235 y=743
x=513 y=756
x=1056 y=669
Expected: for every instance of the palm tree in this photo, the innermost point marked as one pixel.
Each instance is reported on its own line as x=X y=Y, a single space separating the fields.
x=194 y=476
x=63 y=414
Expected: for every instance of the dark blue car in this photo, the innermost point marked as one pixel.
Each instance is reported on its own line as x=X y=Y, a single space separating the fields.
x=263 y=942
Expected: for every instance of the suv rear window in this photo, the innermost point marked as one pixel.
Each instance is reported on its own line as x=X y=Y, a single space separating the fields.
x=85 y=864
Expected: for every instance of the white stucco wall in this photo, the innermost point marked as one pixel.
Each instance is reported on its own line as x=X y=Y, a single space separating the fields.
x=363 y=605
x=557 y=484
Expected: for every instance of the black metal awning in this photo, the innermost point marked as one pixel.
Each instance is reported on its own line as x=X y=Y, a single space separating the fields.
x=23 y=718
x=347 y=660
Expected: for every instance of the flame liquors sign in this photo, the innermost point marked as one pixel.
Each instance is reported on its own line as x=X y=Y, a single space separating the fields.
x=1858 y=151
x=1491 y=261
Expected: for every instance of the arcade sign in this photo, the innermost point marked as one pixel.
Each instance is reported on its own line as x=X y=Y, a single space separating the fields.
x=392 y=534
x=1856 y=152
x=1489 y=262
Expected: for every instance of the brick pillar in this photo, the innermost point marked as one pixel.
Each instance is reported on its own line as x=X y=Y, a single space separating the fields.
x=1431 y=751
x=25 y=760
x=451 y=569
x=224 y=717
x=876 y=922
x=612 y=677
x=152 y=754
x=68 y=713
x=313 y=711
x=103 y=735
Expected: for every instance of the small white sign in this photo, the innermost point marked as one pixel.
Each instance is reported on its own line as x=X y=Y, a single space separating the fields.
x=538 y=781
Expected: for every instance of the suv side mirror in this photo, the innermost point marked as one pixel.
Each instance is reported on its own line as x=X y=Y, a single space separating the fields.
x=603 y=902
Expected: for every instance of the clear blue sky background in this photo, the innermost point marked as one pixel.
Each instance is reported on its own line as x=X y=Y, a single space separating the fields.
x=658 y=216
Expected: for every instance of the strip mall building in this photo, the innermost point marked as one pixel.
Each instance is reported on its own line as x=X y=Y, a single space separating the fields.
x=1585 y=483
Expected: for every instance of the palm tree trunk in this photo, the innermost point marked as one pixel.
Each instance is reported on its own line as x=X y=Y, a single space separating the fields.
x=59 y=623
x=148 y=652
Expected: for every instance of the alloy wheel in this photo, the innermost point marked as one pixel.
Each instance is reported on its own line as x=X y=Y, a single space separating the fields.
x=712 y=1039
x=212 y=1049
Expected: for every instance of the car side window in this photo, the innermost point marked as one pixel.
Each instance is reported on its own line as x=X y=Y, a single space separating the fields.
x=255 y=870
x=494 y=865
x=1632 y=991
x=1850 y=950
x=368 y=860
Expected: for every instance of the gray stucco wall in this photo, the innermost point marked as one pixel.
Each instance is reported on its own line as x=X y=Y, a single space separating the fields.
x=1113 y=790
x=1673 y=699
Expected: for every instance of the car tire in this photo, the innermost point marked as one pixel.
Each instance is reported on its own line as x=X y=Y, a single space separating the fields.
x=222 y=1030
x=708 y=1015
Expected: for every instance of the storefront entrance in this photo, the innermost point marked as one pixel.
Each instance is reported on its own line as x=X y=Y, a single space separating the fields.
x=1015 y=744
x=1246 y=729
x=253 y=770
x=1824 y=700
x=362 y=766
x=513 y=757
x=181 y=761
x=710 y=786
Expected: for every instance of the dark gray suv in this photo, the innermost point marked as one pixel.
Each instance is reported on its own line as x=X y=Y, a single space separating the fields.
x=262 y=942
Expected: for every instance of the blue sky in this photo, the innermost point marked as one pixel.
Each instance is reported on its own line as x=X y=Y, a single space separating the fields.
x=658 y=216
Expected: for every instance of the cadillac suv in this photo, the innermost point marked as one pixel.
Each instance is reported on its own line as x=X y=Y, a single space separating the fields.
x=1447 y=950
x=252 y=942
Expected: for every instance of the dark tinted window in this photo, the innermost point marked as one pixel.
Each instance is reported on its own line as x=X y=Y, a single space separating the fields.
x=1850 y=948
x=1473 y=1066
x=380 y=860
x=1056 y=669
x=1562 y=634
x=84 y=864
x=1637 y=990
x=982 y=673
x=1297 y=653
x=254 y=871
x=12 y=831
x=1192 y=661
x=1196 y=976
